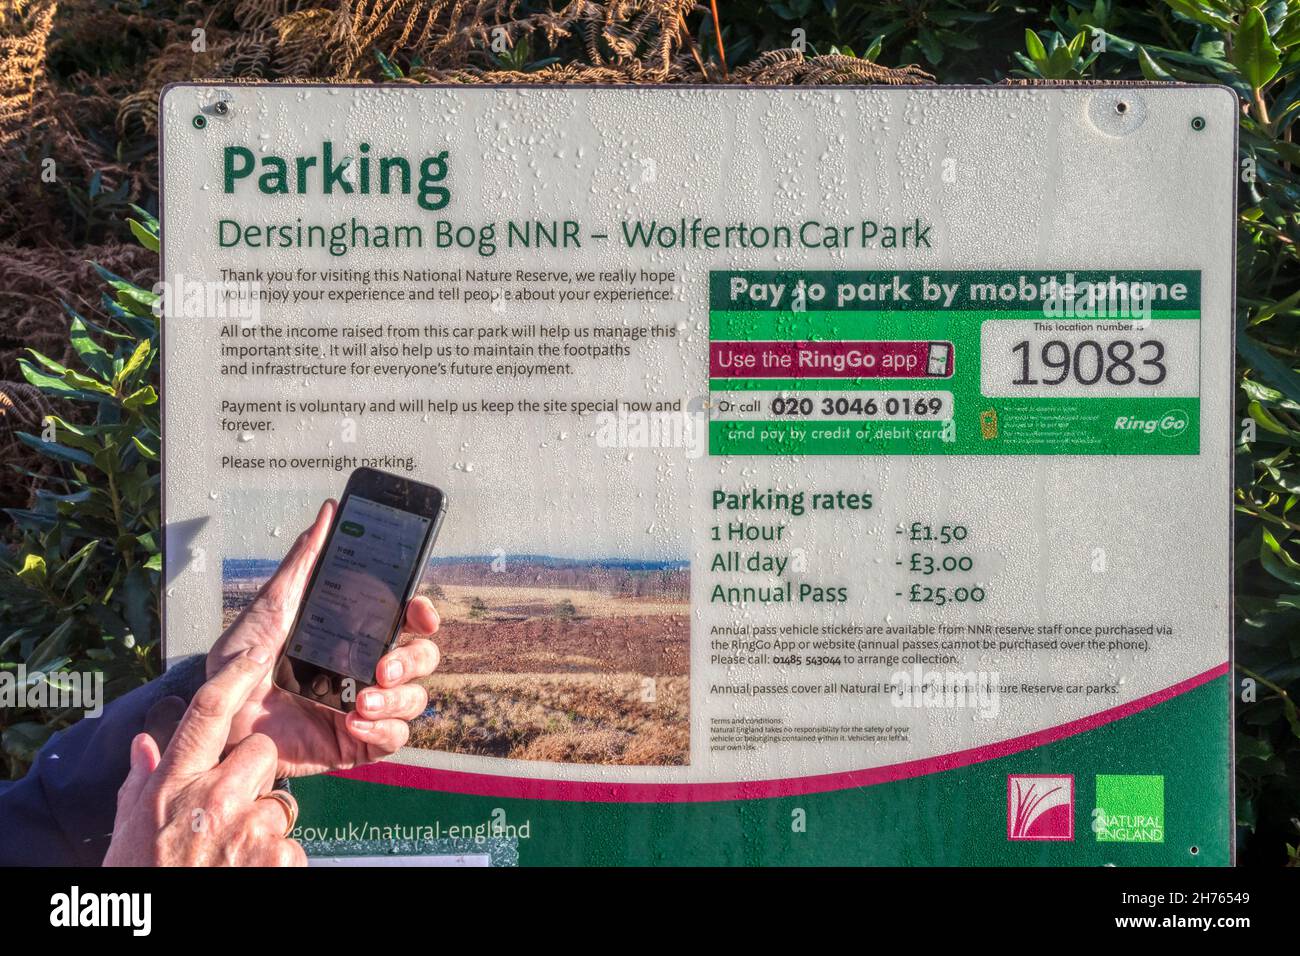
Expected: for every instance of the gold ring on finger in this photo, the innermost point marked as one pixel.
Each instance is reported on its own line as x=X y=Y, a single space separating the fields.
x=290 y=805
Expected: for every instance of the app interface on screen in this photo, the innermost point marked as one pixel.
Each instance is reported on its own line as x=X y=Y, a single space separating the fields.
x=354 y=604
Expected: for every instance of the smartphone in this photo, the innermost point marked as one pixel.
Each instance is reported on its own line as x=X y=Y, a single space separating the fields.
x=383 y=530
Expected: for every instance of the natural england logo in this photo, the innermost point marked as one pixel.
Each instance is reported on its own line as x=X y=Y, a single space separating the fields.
x=1040 y=806
x=1130 y=809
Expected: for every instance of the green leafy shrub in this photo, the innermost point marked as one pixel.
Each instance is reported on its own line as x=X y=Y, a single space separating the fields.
x=79 y=589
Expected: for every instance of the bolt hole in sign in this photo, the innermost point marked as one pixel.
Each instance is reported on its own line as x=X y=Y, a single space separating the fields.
x=836 y=475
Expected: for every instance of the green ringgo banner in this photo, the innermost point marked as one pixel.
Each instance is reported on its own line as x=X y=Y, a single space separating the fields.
x=836 y=475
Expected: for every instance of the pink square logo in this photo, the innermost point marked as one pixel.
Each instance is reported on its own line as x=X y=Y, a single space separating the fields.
x=1040 y=806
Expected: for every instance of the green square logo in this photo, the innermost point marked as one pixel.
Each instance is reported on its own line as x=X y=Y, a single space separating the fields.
x=1130 y=809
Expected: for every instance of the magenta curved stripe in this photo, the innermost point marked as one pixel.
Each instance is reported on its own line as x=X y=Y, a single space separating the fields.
x=528 y=788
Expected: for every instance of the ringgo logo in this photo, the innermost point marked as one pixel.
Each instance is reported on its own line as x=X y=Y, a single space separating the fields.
x=1170 y=424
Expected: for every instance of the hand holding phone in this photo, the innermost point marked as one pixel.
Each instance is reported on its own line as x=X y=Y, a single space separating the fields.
x=311 y=739
x=369 y=568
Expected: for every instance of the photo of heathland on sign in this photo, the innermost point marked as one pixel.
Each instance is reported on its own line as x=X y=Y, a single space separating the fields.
x=547 y=658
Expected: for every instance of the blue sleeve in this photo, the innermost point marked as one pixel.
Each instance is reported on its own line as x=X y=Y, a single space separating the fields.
x=61 y=813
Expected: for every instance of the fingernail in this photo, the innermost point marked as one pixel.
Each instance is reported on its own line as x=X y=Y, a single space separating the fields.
x=372 y=700
x=393 y=671
x=259 y=653
x=362 y=725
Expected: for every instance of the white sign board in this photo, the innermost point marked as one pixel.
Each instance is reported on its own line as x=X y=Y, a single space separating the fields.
x=835 y=475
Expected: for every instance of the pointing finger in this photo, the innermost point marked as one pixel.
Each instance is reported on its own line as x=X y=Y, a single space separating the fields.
x=201 y=735
x=283 y=591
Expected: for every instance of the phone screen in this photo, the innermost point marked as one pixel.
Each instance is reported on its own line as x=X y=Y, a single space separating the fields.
x=353 y=607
